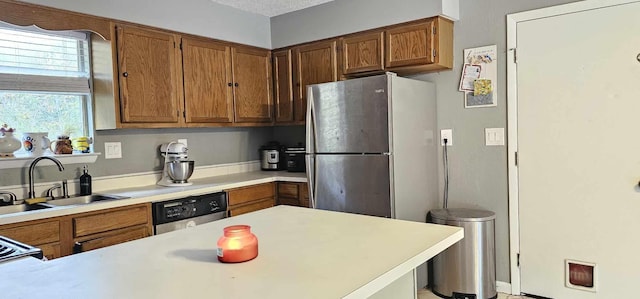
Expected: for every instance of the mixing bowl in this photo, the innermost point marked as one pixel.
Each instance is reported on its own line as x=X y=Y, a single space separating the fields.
x=180 y=171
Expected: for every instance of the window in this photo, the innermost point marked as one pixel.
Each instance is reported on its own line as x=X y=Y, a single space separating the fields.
x=45 y=81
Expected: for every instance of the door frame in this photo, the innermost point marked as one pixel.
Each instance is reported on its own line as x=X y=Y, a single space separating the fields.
x=512 y=114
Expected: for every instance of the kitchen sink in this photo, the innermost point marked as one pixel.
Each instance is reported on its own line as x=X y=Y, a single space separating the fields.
x=86 y=199
x=21 y=208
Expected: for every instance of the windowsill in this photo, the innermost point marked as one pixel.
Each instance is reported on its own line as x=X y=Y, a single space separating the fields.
x=22 y=160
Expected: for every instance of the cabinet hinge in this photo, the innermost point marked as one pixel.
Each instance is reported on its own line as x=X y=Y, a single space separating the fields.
x=434 y=52
x=518 y=260
x=515 y=54
x=516 y=158
x=184 y=114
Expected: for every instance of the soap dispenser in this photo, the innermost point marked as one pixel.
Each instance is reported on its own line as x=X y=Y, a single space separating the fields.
x=85 y=182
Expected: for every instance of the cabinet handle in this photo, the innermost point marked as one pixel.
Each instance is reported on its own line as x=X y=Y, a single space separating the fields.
x=230 y=84
x=77 y=247
x=125 y=74
x=236 y=85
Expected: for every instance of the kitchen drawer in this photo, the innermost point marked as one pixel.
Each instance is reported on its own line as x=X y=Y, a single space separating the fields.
x=34 y=233
x=112 y=238
x=255 y=206
x=250 y=193
x=110 y=220
x=51 y=250
x=289 y=190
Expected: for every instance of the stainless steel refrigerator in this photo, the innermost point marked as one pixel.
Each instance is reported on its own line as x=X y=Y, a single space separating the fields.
x=371 y=147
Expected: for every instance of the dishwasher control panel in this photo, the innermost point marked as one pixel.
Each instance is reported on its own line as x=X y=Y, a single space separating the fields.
x=189 y=207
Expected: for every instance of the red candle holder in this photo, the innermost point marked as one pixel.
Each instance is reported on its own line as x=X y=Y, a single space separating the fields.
x=237 y=244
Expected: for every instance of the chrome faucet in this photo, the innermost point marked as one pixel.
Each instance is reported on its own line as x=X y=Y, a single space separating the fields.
x=32 y=166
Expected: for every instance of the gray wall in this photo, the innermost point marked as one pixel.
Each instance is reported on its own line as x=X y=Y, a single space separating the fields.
x=200 y=17
x=478 y=174
x=140 y=151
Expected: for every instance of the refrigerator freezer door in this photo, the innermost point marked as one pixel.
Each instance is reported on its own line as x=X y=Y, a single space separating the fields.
x=351 y=116
x=353 y=183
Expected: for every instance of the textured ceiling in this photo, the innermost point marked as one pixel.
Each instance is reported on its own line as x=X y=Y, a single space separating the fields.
x=270 y=8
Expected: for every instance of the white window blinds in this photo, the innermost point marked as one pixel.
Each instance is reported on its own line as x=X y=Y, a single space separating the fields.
x=32 y=59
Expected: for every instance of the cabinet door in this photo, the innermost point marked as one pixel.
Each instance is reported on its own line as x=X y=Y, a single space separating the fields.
x=282 y=83
x=148 y=75
x=103 y=221
x=252 y=85
x=315 y=63
x=363 y=53
x=251 y=207
x=207 y=81
x=410 y=45
x=112 y=238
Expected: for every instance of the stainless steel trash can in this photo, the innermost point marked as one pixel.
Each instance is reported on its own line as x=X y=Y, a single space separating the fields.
x=466 y=270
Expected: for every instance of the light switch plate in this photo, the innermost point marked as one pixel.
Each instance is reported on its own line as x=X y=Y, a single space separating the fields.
x=494 y=136
x=448 y=134
x=112 y=150
x=183 y=141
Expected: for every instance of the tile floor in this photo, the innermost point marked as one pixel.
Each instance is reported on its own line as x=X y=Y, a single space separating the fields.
x=427 y=294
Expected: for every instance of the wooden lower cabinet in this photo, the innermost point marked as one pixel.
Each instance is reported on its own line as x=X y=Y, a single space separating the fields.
x=44 y=234
x=251 y=198
x=65 y=235
x=293 y=194
x=111 y=238
x=99 y=229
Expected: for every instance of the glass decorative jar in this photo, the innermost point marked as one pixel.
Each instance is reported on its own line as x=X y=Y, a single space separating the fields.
x=237 y=244
x=8 y=143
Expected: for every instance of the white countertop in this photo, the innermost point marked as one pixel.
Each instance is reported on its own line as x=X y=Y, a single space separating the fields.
x=303 y=253
x=153 y=193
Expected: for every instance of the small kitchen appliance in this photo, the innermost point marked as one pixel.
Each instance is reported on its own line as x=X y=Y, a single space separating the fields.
x=11 y=249
x=295 y=158
x=270 y=156
x=177 y=168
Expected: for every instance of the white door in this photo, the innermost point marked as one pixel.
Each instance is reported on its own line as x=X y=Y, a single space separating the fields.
x=578 y=140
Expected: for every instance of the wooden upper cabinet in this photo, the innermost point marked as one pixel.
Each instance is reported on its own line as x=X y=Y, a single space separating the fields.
x=148 y=76
x=315 y=63
x=425 y=46
x=363 y=53
x=252 y=84
x=207 y=75
x=410 y=45
x=283 y=88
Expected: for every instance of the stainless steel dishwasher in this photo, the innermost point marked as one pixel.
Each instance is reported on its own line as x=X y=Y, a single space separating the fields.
x=187 y=212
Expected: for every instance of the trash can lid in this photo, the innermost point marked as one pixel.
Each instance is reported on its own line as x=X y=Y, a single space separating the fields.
x=461 y=214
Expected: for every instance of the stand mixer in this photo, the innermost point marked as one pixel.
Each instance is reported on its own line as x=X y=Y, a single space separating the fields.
x=177 y=167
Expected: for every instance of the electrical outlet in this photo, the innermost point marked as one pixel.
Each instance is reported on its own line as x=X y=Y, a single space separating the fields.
x=446 y=134
x=112 y=150
x=183 y=141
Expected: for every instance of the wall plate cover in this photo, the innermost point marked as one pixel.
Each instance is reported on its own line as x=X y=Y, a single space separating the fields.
x=448 y=134
x=112 y=150
x=494 y=136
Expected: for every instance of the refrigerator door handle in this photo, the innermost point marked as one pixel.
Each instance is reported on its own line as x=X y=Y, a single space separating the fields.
x=311 y=179
x=310 y=147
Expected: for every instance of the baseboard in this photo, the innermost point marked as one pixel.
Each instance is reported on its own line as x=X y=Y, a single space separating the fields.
x=503 y=287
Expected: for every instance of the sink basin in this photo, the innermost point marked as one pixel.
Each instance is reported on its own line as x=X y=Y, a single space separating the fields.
x=21 y=208
x=80 y=200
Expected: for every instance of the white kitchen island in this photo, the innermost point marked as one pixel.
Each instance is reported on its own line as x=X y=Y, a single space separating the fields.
x=303 y=253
